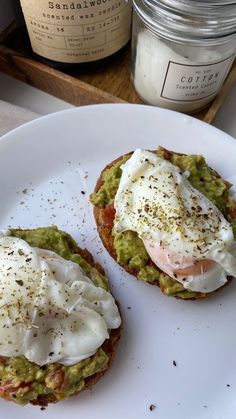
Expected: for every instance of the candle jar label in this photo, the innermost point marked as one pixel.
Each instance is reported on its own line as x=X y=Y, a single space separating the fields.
x=187 y=82
x=77 y=31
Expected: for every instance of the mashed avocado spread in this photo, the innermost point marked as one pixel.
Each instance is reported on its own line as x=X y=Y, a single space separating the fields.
x=21 y=380
x=129 y=248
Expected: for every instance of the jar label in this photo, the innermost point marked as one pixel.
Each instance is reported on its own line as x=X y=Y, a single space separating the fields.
x=187 y=83
x=77 y=31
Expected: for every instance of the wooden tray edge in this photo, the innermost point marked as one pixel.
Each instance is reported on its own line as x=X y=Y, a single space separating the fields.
x=75 y=91
x=220 y=98
x=54 y=82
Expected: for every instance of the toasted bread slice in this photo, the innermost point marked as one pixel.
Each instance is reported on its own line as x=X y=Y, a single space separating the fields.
x=58 y=393
x=104 y=220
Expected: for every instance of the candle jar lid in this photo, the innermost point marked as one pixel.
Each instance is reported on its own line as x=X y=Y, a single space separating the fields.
x=189 y=20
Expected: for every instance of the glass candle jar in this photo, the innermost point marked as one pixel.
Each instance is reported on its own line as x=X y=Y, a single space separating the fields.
x=182 y=51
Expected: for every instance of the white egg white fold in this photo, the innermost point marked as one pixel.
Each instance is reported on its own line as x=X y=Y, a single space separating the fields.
x=177 y=223
x=50 y=311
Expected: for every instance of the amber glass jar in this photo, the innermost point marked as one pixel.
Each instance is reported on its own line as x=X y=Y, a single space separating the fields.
x=65 y=33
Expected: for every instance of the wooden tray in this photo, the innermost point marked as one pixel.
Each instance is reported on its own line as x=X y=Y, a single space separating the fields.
x=111 y=84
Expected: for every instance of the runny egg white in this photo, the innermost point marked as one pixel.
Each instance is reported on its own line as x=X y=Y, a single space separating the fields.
x=186 y=236
x=50 y=311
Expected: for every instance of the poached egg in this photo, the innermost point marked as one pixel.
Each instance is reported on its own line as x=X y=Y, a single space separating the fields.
x=50 y=311
x=185 y=235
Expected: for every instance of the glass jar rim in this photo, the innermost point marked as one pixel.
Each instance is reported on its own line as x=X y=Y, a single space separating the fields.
x=189 y=21
x=211 y=2
x=216 y=8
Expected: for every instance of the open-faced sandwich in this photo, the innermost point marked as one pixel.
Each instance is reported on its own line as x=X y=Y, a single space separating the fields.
x=59 y=324
x=169 y=219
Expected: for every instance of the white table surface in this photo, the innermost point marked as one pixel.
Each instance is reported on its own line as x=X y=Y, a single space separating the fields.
x=21 y=94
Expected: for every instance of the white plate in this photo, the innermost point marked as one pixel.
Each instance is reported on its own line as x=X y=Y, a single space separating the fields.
x=44 y=166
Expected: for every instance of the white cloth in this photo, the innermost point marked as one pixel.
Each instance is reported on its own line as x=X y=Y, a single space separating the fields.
x=12 y=116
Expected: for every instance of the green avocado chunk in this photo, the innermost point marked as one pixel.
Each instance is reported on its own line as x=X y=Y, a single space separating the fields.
x=58 y=241
x=29 y=381
x=129 y=248
x=23 y=380
x=111 y=179
x=203 y=178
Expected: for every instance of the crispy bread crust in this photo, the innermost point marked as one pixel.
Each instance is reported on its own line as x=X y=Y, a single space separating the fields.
x=109 y=346
x=105 y=230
